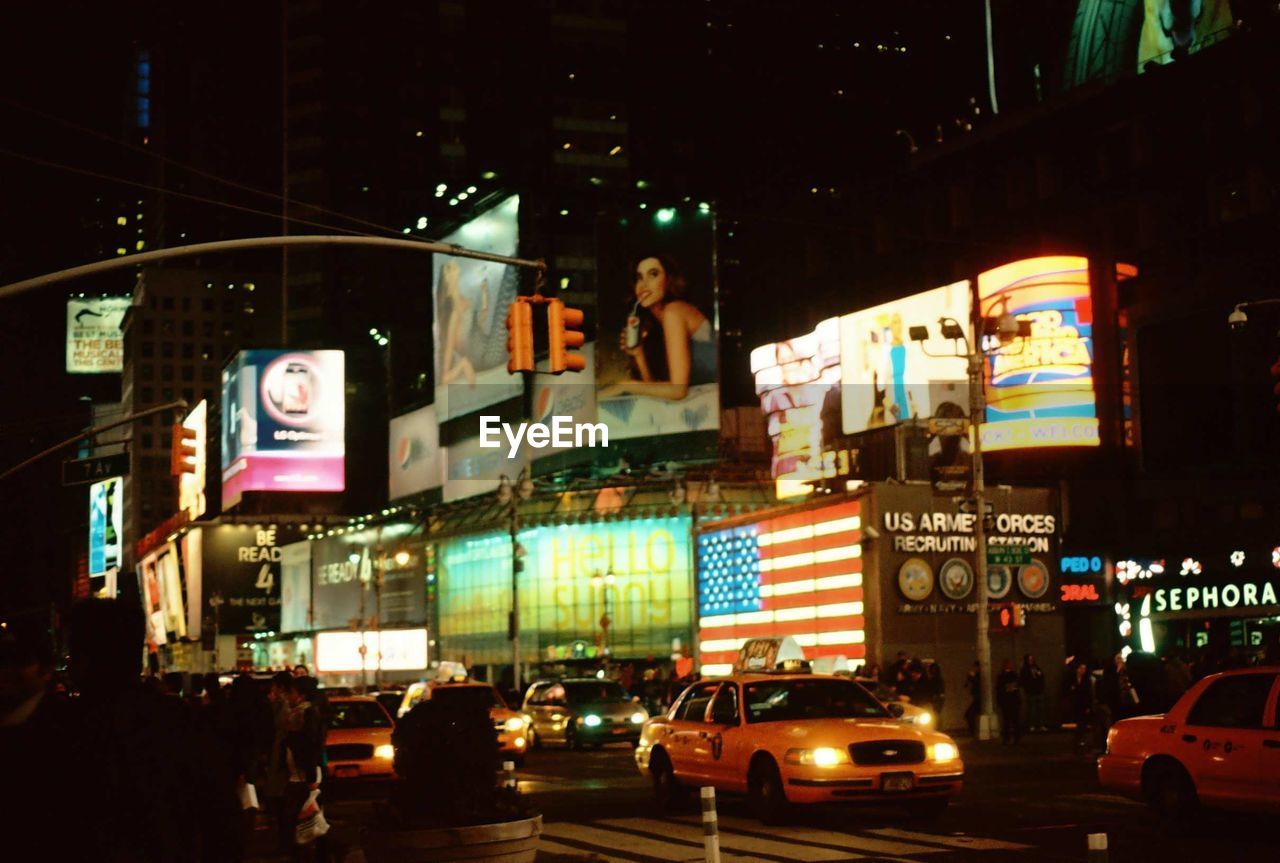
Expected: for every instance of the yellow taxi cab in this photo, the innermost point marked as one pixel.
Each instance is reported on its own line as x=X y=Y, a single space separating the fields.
x=787 y=738
x=358 y=741
x=511 y=726
x=1219 y=745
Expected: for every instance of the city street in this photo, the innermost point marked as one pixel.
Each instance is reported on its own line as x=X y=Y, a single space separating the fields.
x=1035 y=801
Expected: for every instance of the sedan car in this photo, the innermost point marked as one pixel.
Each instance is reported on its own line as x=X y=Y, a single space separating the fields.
x=579 y=712
x=783 y=739
x=1218 y=746
x=358 y=742
x=510 y=725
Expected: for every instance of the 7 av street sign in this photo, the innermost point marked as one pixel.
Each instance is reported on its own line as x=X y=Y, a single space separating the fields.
x=88 y=470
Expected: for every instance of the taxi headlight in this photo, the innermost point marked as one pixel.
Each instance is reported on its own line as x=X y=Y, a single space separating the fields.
x=591 y=720
x=515 y=723
x=386 y=752
x=823 y=756
x=925 y=718
x=639 y=716
x=944 y=752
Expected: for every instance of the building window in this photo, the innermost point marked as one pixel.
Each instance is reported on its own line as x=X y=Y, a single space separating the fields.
x=166 y=303
x=188 y=394
x=208 y=374
x=166 y=373
x=148 y=327
x=186 y=304
x=148 y=349
x=167 y=392
x=147 y=440
x=148 y=396
x=188 y=328
x=206 y=328
x=166 y=350
x=188 y=373
x=148 y=372
x=188 y=350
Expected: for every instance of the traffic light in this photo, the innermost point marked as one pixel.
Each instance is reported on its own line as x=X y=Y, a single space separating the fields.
x=1008 y=616
x=182 y=451
x=520 y=336
x=1275 y=387
x=564 y=333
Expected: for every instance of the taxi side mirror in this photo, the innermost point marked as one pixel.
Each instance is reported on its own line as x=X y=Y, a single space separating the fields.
x=895 y=709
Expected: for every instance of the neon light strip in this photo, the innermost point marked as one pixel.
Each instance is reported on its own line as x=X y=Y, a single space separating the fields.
x=807 y=612
x=804 y=585
x=809 y=558
x=808 y=639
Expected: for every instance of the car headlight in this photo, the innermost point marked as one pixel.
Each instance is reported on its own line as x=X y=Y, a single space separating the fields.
x=945 y=752
x=823 y=756
x=386 y=752
x=639 y=716
x=925 y=718
x=515 y=723
x=591 y=720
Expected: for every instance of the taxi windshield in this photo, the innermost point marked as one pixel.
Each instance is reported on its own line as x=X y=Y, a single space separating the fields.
x=589 y=692
x=358 y=714
x=809 y=698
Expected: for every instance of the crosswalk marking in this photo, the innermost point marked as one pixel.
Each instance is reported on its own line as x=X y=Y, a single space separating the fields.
x=867 y=844
x=630 y=843
x=733 y=841
x=969 y=843
x=545 y=844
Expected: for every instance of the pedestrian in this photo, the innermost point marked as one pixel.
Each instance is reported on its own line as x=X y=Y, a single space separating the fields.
x=933 y=673
x=1080 y=703
x=917 y=689
x=301 y=670
x=275 y=776
x=1009 y=697
x=1031 y=677
x=973 y=683
x=303 y=749
x=871 y=672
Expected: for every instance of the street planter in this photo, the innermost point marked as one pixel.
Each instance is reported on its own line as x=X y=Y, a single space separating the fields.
x=506 y=842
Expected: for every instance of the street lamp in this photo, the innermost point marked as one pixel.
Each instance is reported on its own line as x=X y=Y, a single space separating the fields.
x=1238 y=319
x=511 y=497
x=215 y=602
x=603 y=583
x=1007 y=327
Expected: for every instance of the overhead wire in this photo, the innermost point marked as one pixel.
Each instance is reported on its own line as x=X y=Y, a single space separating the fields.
x=52 y=118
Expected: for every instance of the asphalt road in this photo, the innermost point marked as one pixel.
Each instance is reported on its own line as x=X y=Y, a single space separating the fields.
x=1033 y=801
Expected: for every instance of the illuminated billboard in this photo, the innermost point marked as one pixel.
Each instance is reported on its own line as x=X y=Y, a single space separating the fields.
x=797 y=575
x=106 y=525
x=657 y=346
x=1039 y=388
x=415 y=459
x=283 y=422
x=887 y=377
x=798 y=382
x=620 y=586
x=470 y=303
x=571 y=395
x=388 y=649
x=95 y=344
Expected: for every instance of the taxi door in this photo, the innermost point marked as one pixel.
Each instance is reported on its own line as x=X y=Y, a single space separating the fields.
x=1270 y=755
x=1223 y=739
x=686 y=732
x=728 y=750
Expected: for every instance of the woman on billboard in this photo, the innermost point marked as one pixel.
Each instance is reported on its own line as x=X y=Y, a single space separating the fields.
x=459 y=324
x=668 y=341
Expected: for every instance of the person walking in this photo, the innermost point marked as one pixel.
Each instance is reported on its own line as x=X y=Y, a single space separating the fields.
x=1009 y=696
x=933 y=674
x=1031 y=677
x=973 y=683
x=1080 y=703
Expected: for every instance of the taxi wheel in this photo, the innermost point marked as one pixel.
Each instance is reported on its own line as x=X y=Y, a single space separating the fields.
x=535 y=742
x=667 y=792
x=1172 y=794
x=571 y=740
x=764 y=790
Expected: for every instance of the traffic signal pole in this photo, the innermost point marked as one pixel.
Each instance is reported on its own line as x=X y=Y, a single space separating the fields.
x=977 y=413
x=179 y=405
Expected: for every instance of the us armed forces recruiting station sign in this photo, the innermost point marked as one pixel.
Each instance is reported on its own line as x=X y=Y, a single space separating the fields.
x=242 y=563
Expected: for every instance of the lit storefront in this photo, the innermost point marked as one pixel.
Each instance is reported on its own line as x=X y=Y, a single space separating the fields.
x=1224 y=604
x=890 y=567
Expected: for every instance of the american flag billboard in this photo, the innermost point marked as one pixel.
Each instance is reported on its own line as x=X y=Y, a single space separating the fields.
x=798 y=574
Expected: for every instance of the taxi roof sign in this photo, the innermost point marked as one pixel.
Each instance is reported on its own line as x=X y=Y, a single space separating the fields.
x=769 y=654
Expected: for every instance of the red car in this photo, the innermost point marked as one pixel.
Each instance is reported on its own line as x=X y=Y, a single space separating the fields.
x=1219 y=745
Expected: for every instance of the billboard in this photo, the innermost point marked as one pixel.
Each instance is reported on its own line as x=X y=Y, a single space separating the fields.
x=295 y=587
x=367 y=575
x=1039 y=389
x=470 y=300
x=798 y=382
x=283 y=422
x=389 y=649
x=886 y=377
x=657 y=346
x=622 y=586
x=570 y=395
x=797 y=575
x=106 y=525
x=415 y=459
x=472 y=469
x=160 y=584
x=95 y=344
x=242 y=564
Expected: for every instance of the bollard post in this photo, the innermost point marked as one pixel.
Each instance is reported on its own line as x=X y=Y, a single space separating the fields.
x=509 y=775
x=710 y=828
x=1097 y=848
